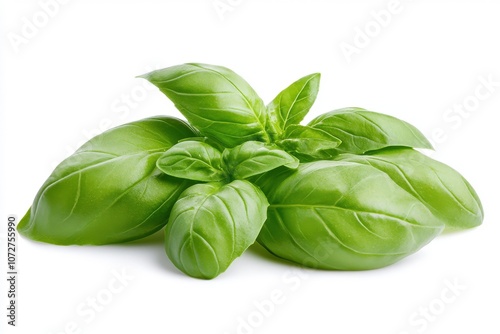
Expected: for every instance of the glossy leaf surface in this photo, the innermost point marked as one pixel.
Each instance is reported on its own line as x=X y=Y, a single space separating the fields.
x=342 y=215
x=215 y=100
x=362 y=131
x=109 y=190
x=193 y=160
x=310 y=142
x=294 y=102
x=212 y=224
x=441 y=188
x=253 y=158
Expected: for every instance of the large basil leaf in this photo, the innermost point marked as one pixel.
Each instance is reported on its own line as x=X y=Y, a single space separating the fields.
x=293 y=103
x=309 y=142
x=212 y=224
x=442 y=189
x=215 y=100
x=342 y=215
x=253 y=158
x=193 y=160
x=109 y=190
x=361 y=130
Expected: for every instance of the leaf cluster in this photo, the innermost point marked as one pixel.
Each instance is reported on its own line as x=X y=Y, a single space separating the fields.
x=347 y=191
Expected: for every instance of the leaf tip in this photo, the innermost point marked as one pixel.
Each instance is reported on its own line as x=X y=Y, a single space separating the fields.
x=146 y=76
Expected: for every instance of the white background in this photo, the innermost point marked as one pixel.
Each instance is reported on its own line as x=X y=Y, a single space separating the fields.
x=69 y=80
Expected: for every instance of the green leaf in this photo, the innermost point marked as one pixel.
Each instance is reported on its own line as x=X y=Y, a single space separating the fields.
x=109 y=190
x=293 y=103
x=215 y=100
x=193 y=160
x=212 y=224
x=206 y=140
x=308 y=141
x=442 y=189
x=361 y=130
x=253 y=158
x=342 y=215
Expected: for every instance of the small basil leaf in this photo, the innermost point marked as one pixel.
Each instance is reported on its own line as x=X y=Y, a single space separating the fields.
x=215 y=100
x=293 y=103
x=308 y=141
x=212 y=224
x=253 y=158
x=342 y=215
x=442 y=189
x=109 y=190
x=192 y=160
x=361 y=130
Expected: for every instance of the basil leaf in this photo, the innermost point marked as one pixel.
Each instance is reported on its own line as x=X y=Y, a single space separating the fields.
x=253 y=158
x=293 y=103
x=215 y=100
x=308 y=141
x=361 y=130
x=442 y=189
x=206 y=140
x=212 y=224
x=109 y=190
x=342 y=215
x=193 y=160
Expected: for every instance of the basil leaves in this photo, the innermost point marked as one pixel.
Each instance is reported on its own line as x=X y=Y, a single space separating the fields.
x=348 y=191
x=215 y=100
x=109 y=190
x=194 y=161
x=332 y=215
x=293 y=103
x=361 y=131
x=451 y=198
x=212 y=224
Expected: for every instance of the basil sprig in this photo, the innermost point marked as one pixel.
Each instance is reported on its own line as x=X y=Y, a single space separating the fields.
x=347 y=191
